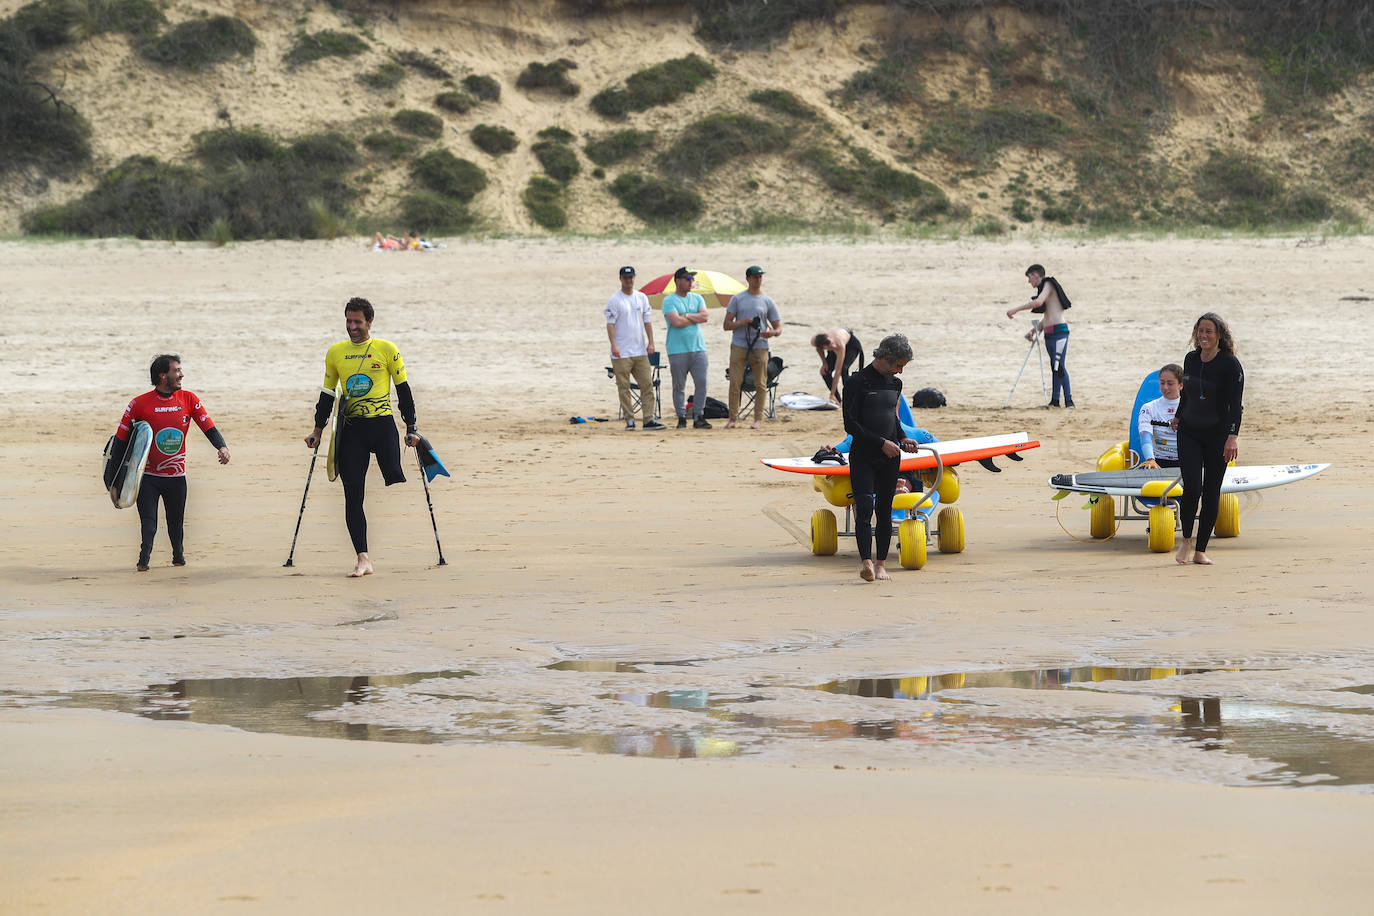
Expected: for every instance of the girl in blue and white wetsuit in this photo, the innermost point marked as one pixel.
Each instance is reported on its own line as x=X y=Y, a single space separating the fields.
x=1158 y=440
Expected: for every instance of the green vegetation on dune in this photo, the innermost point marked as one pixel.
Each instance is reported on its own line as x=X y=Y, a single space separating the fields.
x=893 y=78
x=312 y=46
x=659 y=84
x=37 y=126
x=617 y=146
x=1082 y=91
x=392 y=146
x=386 y=75
x=429 y=212
x=783 y=102
x=552 y=77
x=199 y=44
x=1242 y=190
x=714 y=140
x=558 y=160
x=418 y=123
x=656 y=201
x=543 y=199
x=890 y=192
x=422 y=64
x=482 y=88
x=493 y=139
x=441 y=171
x=456 y=101
x=245 y=186
x=974 y=136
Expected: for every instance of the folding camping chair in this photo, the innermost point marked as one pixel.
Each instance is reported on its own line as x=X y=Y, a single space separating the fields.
x=636 y=402
x=746 y=391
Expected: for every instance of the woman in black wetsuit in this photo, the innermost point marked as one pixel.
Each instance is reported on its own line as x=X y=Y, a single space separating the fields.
x=1208 y=421
x=871 y=397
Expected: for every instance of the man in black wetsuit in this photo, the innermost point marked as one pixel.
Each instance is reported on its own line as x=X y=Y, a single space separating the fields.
x=871 y=397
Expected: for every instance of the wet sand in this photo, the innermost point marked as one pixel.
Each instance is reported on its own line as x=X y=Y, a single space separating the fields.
x=587 y=542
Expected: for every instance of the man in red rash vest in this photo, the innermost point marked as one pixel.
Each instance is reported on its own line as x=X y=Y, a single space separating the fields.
x=169 y=409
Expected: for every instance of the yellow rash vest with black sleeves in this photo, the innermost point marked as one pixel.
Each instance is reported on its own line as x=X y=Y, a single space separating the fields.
x=368 y=371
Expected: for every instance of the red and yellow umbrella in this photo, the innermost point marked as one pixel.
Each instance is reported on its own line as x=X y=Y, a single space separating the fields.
x=715 y=287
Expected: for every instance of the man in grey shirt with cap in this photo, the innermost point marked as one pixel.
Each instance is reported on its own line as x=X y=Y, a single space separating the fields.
x=753 y=317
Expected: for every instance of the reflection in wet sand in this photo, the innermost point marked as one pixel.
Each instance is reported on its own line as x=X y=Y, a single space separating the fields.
x=1282 y=743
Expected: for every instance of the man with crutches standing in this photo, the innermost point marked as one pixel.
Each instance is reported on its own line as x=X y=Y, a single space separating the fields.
x=368 y=368
x=1050 y=301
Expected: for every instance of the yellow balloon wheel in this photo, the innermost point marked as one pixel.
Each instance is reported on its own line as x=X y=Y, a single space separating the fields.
x=1116 y=458
x=1228 y=516
x=949 y=536
x=949 y=484
x=825 y=538
x=911 y=543
x=1102 y=524
x=1161 y=529
x=835 y=488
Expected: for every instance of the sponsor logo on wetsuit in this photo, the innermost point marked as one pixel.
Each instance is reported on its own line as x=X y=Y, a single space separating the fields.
x=358 y=385
x=169 y=440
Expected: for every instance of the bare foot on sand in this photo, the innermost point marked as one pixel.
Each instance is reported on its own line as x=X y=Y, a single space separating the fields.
x=756 y=425
x=1201 y=559
x=880 y=573
x=1185 y=552
x=866 y=571
x=730 y=424
x=364 y=567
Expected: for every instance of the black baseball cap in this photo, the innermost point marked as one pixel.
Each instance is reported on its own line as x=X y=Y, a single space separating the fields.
x=627 y=271
x=683 y=272
x=755 y=269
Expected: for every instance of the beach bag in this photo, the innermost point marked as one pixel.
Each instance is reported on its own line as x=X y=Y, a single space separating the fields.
x=715 y=410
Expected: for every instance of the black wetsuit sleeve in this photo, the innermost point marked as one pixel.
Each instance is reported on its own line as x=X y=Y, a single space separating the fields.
x=1184 y=398
x=117 y=450
x=406 y=401
x=323 y=408
x=216 y=439
x=1235 y=391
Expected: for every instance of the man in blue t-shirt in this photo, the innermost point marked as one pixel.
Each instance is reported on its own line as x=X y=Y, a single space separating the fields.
x=685 y=313
x=753 y=317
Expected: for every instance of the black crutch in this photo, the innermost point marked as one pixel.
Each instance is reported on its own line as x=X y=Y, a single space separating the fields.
x=309 y=474
x=424 y=478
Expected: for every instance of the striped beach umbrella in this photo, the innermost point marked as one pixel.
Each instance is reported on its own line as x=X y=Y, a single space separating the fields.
x=713 y=286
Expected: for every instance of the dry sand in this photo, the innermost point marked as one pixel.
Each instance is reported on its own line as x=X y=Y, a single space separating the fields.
x=588 y=542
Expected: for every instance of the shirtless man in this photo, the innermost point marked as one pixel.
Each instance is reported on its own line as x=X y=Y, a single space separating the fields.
x=837 y=348
x=369 y=368
x=1049 y=300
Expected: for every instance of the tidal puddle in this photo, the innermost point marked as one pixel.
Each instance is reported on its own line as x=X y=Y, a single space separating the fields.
x=1196 y=723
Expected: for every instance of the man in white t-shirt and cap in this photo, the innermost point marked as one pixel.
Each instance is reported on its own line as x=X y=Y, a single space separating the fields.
x=629 y=325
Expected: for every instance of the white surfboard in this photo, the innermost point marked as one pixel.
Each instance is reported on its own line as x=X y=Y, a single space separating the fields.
x=336 y=424
x=952 y=452
x=129 y=475
x=1134 y=482
x=800 y=400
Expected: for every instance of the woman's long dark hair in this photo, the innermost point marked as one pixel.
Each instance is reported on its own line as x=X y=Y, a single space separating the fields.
x=1225 y=342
